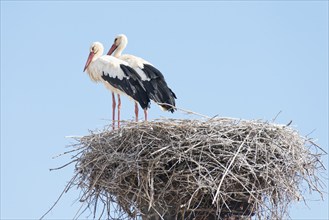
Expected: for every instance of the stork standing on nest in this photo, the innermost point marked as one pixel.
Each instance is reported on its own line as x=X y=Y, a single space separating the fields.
x=153 y=80
x=117 y=76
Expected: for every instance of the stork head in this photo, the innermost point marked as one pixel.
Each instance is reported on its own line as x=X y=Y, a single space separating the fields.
x=120 y=42
x=96 y=50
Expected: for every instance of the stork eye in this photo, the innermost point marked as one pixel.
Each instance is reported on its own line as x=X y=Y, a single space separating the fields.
x=115 y=40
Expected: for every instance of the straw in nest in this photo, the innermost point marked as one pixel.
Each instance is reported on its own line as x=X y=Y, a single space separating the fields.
x=195 y=169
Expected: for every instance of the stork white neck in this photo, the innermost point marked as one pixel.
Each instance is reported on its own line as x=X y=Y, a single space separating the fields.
x=98 y=49
x=122 y=43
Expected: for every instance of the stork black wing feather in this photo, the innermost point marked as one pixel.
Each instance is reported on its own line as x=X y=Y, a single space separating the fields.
x=158 y=89
x=131 y=85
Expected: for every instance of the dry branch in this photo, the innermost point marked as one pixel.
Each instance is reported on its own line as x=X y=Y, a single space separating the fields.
x=195 y=169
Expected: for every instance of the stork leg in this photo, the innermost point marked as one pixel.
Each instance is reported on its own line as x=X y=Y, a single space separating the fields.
x=145 y=114
x=119 y=108
x=136 y=111
x=113 y=111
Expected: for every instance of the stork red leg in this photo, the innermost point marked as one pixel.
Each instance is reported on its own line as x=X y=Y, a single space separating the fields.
x=136 y=111
x=145 y=114
x=113 y=111
x=119 y=108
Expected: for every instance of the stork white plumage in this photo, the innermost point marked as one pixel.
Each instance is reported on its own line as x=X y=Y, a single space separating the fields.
x=153 y=80
x=117 y=76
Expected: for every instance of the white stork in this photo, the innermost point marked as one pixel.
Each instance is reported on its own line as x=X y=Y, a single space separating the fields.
x=117 y=76
x=153 y=80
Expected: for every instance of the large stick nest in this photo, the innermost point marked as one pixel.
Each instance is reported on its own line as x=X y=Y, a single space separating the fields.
x=196 y=169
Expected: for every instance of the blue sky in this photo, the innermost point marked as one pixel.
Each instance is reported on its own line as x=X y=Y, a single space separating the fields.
x=241 y=59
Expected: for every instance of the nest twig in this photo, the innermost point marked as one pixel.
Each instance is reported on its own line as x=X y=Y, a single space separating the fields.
x=194 y=169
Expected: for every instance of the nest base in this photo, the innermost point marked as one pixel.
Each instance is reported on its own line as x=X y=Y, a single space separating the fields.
x=191 y=169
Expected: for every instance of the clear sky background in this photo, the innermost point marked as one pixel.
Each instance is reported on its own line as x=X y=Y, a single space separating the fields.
x=241 y=59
